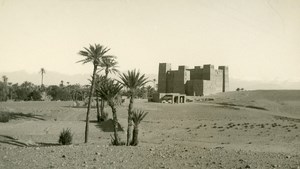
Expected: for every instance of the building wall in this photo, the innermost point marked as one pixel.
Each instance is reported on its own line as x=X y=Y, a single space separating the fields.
x=162 y=76
x=194 y=88
x=225 y=78
x=196 y=73
x=193 y=82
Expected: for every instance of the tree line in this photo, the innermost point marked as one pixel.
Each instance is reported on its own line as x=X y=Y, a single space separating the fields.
x=27 y=91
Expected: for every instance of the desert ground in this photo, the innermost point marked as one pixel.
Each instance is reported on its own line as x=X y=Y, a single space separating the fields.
x=246 y=129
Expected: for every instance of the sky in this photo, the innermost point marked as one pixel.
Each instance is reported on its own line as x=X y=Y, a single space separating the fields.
x=258 y=39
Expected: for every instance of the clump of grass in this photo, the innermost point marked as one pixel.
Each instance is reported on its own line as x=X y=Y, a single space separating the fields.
x=65 y=137
x=4 y=117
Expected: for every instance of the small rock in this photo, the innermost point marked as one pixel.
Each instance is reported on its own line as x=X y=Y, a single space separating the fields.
x=274 y=165
x=248 y=166
x=287 y=156
x=63 y=156
x=37 y=148
x=97 y=153
x=95 y=159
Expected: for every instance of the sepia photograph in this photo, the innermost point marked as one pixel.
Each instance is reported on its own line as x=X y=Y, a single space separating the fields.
x=137 y=84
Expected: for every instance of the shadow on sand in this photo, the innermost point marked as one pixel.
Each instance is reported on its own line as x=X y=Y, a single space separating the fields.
x=12 y=141
x=237 y=105
x=18 y=115
x=107 y=126
x=15 y=142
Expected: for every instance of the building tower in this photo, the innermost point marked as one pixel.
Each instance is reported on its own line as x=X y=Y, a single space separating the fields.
x=162 y=76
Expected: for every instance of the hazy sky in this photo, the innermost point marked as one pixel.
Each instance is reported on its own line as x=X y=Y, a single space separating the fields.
x=258 y=40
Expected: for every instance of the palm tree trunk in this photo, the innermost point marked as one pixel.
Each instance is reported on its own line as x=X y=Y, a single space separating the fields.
x=102 y=104
x=129 y=128
x=115 y=119
x=135 y=135
x=103 y=101
x=42 y=80
x=98 y=111
x=89 y=105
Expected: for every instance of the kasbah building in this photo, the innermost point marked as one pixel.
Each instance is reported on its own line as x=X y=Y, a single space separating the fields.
x=175 y=85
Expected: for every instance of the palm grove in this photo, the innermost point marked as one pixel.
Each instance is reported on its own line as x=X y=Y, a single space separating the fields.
x=110 y=89
x=106 y=90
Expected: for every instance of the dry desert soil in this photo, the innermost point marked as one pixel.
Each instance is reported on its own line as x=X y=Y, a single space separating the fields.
x=246 y=129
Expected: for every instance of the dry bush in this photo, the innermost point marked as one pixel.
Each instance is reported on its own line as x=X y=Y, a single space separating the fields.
x=65 y=137
x=4 y=117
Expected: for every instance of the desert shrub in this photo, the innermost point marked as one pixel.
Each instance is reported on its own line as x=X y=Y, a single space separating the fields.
x=4 y=117
x=65 y=137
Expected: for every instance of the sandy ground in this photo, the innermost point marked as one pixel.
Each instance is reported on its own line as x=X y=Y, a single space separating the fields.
x=249 y=129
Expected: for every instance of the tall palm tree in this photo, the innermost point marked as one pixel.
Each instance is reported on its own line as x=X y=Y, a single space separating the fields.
x=5 y=79
x=109 y=65
x=133 y=80
x=93 y=54
x=42 y=72
x=108 y=91
x=137 y=117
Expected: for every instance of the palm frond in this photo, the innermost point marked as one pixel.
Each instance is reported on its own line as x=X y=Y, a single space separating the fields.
x=138 y=116
x=93 y=54
x=108 y=89
x=133 y=79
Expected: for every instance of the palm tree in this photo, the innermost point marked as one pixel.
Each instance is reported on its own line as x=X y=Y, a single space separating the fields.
x=93 y=54
x=98 y=82
x=42 y=71
x=137 y=117
x=5 y=79
x=61 y=83
x=133 y=80
x=109 y=65
x=108 y=91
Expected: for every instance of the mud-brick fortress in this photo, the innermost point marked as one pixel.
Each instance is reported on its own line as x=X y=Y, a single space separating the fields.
x=199 y=81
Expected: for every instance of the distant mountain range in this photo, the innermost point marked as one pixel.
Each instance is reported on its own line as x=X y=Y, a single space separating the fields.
x=55 y=78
